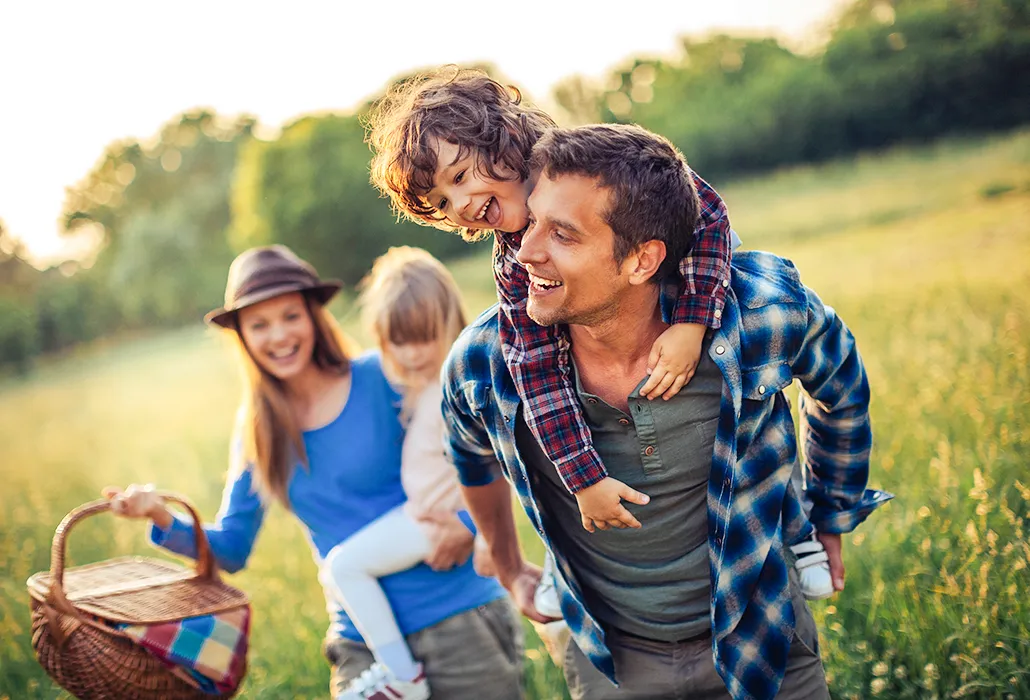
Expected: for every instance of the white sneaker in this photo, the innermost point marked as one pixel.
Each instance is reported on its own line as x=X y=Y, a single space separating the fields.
x=813 y=569
x=377 y=682
x=545 y=599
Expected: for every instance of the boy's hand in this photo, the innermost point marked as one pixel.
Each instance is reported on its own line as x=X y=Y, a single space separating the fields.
x=600 y=505
x=673 y=361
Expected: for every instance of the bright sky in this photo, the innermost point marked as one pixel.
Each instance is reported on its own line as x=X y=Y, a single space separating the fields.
x=75 y=76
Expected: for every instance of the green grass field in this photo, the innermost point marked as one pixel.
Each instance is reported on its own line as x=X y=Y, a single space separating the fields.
x=924 y=252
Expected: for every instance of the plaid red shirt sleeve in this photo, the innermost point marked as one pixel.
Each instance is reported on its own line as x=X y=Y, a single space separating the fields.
x=706 y=270
x=538 y=360
x=538 y=356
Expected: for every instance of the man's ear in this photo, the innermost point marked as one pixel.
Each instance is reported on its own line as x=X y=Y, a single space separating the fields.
x=645 y=261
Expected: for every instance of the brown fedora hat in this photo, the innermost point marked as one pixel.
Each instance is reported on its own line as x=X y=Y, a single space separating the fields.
x=262 y=273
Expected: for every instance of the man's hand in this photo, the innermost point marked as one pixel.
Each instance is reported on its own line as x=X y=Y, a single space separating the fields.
x=449 y=540
x=832 y=545
x=673 y=360
x=600 y=505
x=522 y=584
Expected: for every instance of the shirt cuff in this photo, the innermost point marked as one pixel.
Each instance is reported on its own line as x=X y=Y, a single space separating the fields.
x=472 y=472
x=698 y=309
x=177 y=538
x=581 y=470
x=836 y=522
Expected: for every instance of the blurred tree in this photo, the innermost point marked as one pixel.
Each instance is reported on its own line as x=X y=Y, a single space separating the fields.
x=310 y=190
x=578 y=100
x=919 y=68
x=164 y=211
x=892 y=70
x=18 y=280
x=17 y=277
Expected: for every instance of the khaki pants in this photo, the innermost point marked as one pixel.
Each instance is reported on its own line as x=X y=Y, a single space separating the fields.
x=649 y=670
x=473 y=655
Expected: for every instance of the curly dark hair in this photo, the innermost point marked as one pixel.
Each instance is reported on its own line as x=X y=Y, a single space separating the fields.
x=463 y=106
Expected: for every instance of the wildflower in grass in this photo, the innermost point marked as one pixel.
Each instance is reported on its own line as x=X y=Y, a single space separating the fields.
x=877 y=686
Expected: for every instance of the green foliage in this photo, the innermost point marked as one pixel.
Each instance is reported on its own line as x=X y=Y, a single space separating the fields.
x=73 y=309
x=891 y=71
x=164 y=210
x=310 y=190
x=17 y=333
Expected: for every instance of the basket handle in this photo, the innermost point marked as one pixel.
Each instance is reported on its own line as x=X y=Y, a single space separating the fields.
x=205 y=564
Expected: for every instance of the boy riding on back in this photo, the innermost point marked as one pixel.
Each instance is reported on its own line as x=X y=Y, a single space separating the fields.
x=451 y=150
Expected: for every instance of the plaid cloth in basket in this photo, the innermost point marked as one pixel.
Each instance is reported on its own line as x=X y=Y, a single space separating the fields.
x=210 y=649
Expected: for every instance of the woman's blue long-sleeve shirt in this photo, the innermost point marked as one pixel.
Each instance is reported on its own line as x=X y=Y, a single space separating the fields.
x=353 y=477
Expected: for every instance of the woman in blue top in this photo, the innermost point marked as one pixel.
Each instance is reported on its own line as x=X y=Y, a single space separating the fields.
x=318 y=430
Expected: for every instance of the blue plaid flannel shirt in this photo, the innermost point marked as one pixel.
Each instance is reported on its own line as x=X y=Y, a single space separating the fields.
x=774 y=330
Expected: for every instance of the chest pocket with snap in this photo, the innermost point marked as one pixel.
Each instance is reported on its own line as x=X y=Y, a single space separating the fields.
x=764 y=382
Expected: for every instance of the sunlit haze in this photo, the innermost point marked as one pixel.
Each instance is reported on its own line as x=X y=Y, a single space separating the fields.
x=76 y=76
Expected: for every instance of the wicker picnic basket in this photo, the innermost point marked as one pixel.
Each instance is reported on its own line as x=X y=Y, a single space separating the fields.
x=74 y=610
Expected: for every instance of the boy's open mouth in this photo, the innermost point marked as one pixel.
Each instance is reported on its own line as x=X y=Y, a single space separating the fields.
x=490 y=212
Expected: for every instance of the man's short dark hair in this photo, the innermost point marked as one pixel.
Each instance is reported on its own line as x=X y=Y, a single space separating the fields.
x=652 y=194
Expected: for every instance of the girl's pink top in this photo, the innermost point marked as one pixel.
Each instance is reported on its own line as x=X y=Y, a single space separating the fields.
x=430 y=481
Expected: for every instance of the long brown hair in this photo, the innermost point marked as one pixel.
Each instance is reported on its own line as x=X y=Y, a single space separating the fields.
x=410 y=297
x=270 y=436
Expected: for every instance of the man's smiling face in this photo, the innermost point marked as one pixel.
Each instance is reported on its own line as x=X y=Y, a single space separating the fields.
x=568 y=251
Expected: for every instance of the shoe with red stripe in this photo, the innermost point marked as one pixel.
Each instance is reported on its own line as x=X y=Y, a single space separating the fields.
x=378 y=683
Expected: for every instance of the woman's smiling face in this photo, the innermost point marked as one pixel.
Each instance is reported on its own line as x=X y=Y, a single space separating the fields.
x=471 y=199
x=279 y=334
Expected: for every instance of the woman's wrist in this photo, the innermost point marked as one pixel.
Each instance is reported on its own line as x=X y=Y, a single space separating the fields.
x=161 y=516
